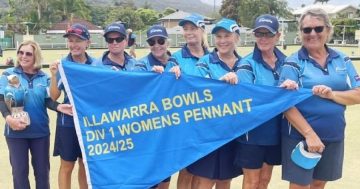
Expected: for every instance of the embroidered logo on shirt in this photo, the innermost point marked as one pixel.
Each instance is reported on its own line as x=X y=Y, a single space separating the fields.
x=357 y=78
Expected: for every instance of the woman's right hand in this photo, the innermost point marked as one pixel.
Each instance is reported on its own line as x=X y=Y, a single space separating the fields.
x=313 y=142
x=54 y=67
x=158 y=69
x=15 y=124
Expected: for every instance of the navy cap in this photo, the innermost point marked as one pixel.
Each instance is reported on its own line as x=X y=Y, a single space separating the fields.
x=267 y=21
x=194 y=19
x=115 y=27
x=228 y=25
x=156 y=31
x=78 y=30
x=303 y=158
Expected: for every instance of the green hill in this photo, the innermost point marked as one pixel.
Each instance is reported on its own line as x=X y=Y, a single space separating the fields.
x=159 y=5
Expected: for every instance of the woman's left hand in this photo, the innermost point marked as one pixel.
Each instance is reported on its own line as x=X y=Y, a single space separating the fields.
x=323 y=91
x=230 y=77
x=157 y=69
x=65 y=108
x=289 y=84
x=176 y=70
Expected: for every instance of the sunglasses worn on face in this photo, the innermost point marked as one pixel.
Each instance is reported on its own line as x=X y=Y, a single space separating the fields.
x=318 y=29
x=159 y=41
x=21 y=53
x=264 y=34
x=117 y=39
x=74 y=30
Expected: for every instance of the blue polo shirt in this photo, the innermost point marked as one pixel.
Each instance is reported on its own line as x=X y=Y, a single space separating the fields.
x=185 y=60
x=210 y=66
x=129 y=64
x=325 y=116
x=63 y=119
x=34 y=102
x=253 y=69
x=146 y=63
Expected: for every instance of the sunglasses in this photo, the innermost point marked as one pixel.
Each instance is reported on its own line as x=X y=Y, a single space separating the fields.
x=74 y=30
x=159 y=41
x=264 y=34
x=117 y=39
x=22 y=53
x=318 y=29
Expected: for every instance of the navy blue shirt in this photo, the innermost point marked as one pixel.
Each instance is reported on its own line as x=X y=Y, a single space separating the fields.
x=253 y=69
x=129 y=62
x=146 y=63
x=36 y=92
x=325 y=116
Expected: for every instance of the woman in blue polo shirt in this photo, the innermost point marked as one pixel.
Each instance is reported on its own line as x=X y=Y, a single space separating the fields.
x=115 y=57
x=319 y=120
x=259 y=149
x=156 y=61
x=217 y=168
x=184 y=61
x=23 y=102
x=66 y=142
x=195 y=47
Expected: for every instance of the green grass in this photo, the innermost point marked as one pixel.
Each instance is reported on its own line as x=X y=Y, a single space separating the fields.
x=351 y=170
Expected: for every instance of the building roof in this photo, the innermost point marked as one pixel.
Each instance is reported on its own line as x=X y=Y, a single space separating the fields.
x=208 y=29
x=328 y=8
x=178 y=15
x=63 y=25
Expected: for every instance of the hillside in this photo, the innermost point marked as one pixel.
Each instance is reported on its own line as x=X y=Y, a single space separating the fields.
x=159 y=5
x=185 y=5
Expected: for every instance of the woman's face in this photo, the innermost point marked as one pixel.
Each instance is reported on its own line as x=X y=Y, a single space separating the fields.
x=266 y=40
x=192 y=34
x=314 y=33
x=76 y=45
x=116 y=42
x=158 y=46
x=26 y=57
x=225 y=41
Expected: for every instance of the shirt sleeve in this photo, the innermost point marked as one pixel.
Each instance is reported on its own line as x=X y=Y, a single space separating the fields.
x=291 y=71
x=245 y=73
x=354 y=79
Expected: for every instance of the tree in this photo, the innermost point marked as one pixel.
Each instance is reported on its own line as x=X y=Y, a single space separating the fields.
x=147 y=5
x=147 y=16
x=230 y=9
x=167 y=11
x=126 y=15
x=239 y=10
x=66 y=9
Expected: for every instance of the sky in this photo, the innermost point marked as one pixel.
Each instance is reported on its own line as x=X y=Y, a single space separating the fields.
x=296 y=3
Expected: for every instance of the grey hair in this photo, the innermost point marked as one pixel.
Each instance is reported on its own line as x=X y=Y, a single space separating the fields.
x=319 y=14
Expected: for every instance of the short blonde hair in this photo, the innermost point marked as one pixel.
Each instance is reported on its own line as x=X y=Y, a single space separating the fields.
x=319 y=14
x=37 y=53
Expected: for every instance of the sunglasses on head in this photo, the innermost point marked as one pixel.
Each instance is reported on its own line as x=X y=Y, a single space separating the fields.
x=74 y=30
x=318 y=29
x=264 y=34
x=159 y=41
x=117 y=39
x=21 y=53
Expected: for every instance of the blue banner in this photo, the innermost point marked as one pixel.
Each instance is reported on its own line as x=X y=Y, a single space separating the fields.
x=137 y=128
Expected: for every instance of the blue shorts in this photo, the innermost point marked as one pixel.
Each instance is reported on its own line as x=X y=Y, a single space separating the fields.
x=250 y=156
x=329 y=167
x=218 y=165
x=67 y=144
